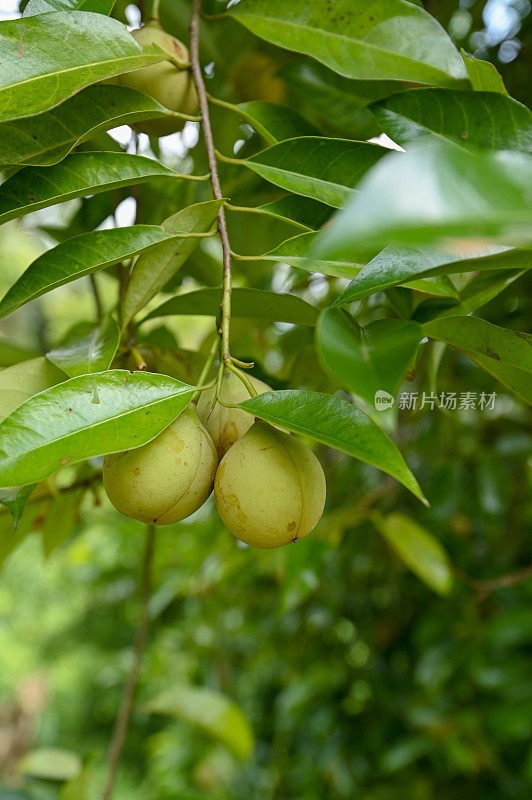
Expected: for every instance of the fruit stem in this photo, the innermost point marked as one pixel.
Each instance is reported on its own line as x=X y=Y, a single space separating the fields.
x=139 y=361
x=213 y=352
x=215 y=181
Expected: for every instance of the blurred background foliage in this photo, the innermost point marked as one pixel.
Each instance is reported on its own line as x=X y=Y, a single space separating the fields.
x=356 y=679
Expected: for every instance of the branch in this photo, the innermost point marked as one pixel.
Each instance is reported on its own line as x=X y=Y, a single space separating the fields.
x=485 y=587
x=126 y=707
x=215 y=181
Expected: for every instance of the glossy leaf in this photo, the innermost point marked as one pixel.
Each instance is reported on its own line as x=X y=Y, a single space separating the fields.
x=25 y=379
x=367 y=360
x=246 y=303
x=488 y=120
x=483 y=75
x=435 y=191
x=298 y=252
x=488 y=344
x=43 y=6
x=51 y=764
x=79 y=174
x=80 y=256
x=49 y=57
x=335 y=423
x=400 y=265
x=87 y=349
x=155 y=268
x=313 y=166
x=304 y=210
x=49 y=137
x=274 y=122
x=392 y=40
x=419 y=550
x=210 y=711
x=15 y=499
x=84 y=417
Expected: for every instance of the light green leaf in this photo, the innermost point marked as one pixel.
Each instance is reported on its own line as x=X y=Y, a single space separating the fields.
x=210 y=711
x=336 y=423
x=473 y=119
x=298 y=252
x=273 y=122
x=79 y=174
x=88 y=348
x=80 y=256
x=51 y=764
x=483 y=75
x=313 y=166
x=419 y=550
x=84 y=417
x=43 y=6
x=61 y=520
x=505 y=354
x=400 y=265
x=25 y=379
x=436 y=191
x=47 y=138
x=367 y=360
x=392 y=39
x=49 y=57
x=247 y=303
x=155 y=268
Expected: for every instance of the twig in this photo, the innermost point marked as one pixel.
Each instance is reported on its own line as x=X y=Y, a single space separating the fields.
x=96 y=295
x=215 y=181
x=126 y=707
x=485 y=587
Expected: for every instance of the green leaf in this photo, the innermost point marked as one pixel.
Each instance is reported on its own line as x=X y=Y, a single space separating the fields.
x=435 y=191
x=49 y=57
x=15 y=499
x=79 y=174
x=25 y=379
x=61 y=520
x=298 y=252
x=88 y=348
x=246 y=303
x=313 y=166
x=155 y=268
x=367 y=360
x=210 y=711
x=394 y=40
x=336 y=423
x=400 y=265
x=483 y=75
x=47 y=138
x=473 y=119
x=51 y=764
x=503 y=353
x=273 y=122
x=80 y=256
x=419 y=550
x=304 y=210
x=43 y=6
x=84 y=417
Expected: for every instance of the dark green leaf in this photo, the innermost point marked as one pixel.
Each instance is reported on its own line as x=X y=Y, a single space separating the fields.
x=419 y=550
x=155 y=268
x=505 y=354
x=303 y=210
x=47 y=138
x=86 y=350
x=336 y=423
x=434 y=192
x=247 y=303
x=210 y=711
x=84 y=417
x=80 y=256
x=47 y=58
x=473 y=119
x=400 y=265
x=15 y=499
x=394 y=40
x=61 y=520
x=367 y=360
x=273 y=122
x=297 y=252
x=79 y=174
x=313 y=166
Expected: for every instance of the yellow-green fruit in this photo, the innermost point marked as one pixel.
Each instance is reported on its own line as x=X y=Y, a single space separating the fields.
x=164 y=81
x=269 y=488
x=227 y=425
x=167 y=479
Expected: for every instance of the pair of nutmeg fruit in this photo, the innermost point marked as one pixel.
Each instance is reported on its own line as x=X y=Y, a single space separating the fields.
x=269 y=487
